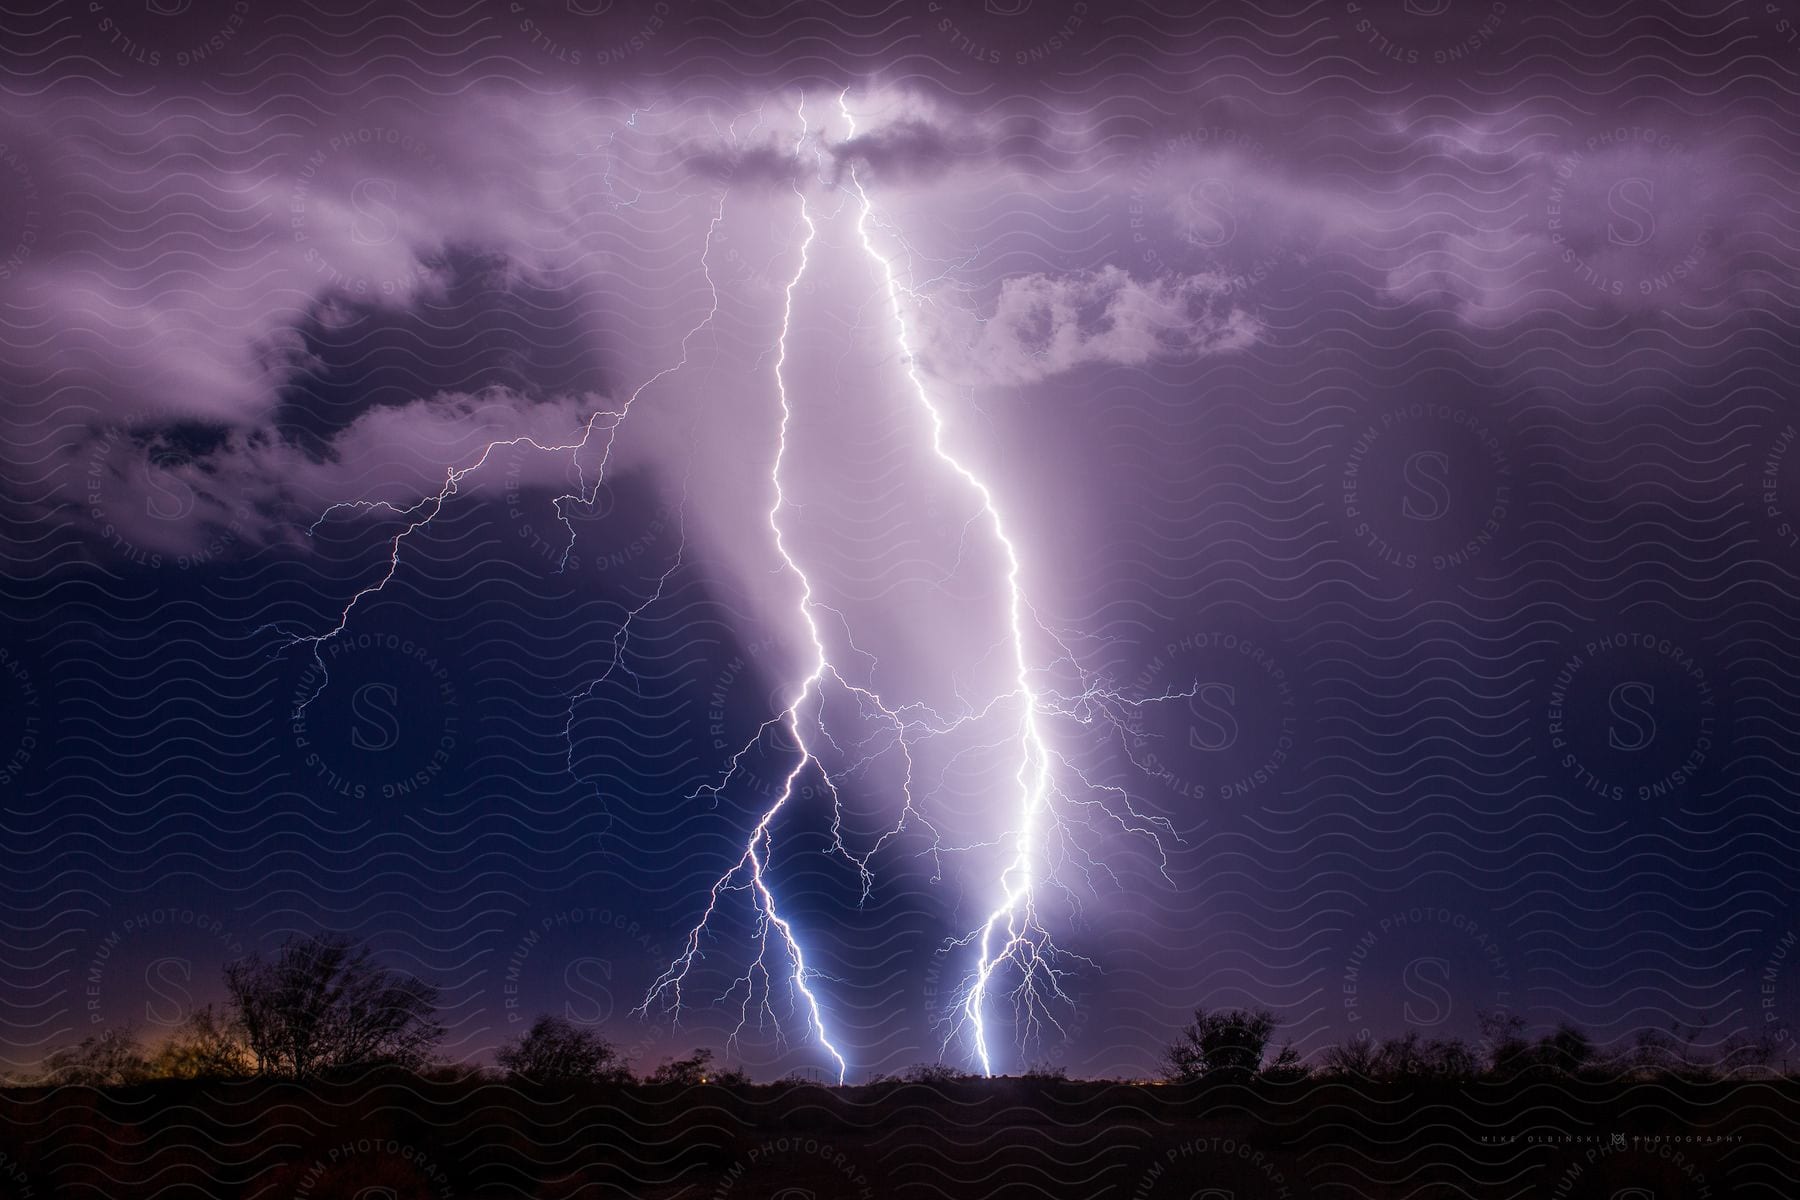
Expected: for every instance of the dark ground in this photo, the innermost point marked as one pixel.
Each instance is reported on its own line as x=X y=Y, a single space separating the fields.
x=400 y=1137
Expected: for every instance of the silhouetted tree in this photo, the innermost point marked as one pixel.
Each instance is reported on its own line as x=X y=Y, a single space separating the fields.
x=735 y=1077
x=1227 y=1044
x=690 y=1070
x=102 y=1060
x=697 y=1068
x=1743 y=1054
x=1287 y=1065
x=555 y=1048
x=1452 y=1058
x=323 y=1003
x=1410 y=1056
x=1402 y=1057
x=1509 y=1053
x=1359 y=1057
x=1567 y=1051
x=936 y=1073
x=205 y=1046
x=1407 y=1056
x=1678 y=1051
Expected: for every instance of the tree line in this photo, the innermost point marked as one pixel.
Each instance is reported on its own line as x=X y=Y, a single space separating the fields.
x=1235 y=1045
x=323 y=1005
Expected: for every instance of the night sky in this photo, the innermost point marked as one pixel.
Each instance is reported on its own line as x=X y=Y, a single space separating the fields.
x=1390 y=411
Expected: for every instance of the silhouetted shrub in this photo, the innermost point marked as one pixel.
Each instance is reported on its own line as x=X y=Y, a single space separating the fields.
x=557 y=1049
x=1408 y=1056
x=697 y=1068
x=1359 y=1057
x=934 y=1073
x=1567 y=1051
x=102 y=1060
x=1509 y=1053
x=1287 y=1065
x=1227 y=1044
x=205 y=1046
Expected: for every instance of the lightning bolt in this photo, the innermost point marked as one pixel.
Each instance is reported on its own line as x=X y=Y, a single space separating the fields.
x=1013 y=939
x=1014 y=934
x=749 y=872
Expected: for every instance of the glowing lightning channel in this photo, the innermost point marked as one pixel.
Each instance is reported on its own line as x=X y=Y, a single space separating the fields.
x=748 y=873
x=1039 y=841
x=1026 y=941
x=1013 y=932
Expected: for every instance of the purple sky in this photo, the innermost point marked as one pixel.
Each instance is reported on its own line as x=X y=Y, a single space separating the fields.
x=1353 y=373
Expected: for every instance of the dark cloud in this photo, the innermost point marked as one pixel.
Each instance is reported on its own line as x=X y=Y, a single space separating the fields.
x=914 y=150
x=749 y=166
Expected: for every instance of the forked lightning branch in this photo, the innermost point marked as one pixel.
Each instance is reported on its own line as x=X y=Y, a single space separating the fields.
x=1015 y=972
